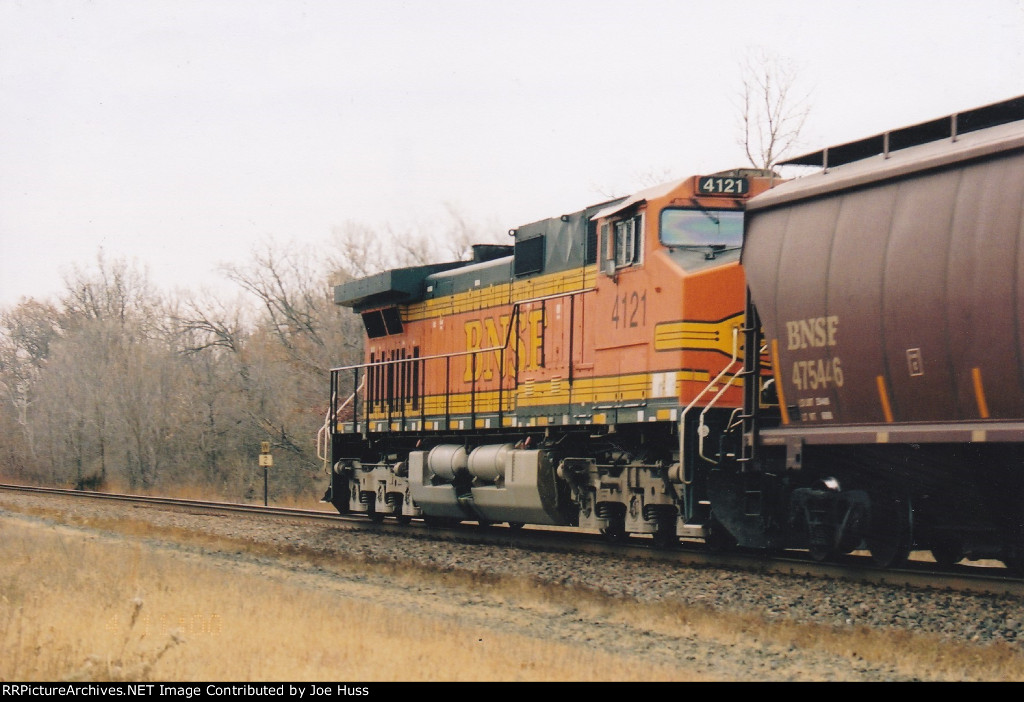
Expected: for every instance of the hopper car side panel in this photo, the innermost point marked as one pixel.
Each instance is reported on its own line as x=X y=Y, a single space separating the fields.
x=910 y=288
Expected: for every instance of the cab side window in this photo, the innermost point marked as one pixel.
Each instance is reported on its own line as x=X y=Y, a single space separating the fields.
x=628 y=244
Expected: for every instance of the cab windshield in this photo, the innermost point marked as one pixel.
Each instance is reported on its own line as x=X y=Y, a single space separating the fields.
x=718 y=229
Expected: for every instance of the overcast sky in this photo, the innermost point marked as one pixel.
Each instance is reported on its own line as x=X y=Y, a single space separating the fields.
x=181 y=134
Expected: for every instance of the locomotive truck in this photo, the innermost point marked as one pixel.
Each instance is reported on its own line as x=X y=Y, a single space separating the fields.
x=854 y=380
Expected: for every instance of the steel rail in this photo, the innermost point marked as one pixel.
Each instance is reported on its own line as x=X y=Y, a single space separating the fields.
x=855 y=568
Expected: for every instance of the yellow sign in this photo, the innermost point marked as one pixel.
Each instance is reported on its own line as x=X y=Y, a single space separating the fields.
x=266 y=460
x=264 y=447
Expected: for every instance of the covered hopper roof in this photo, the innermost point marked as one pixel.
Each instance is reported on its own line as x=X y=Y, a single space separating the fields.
x=916 y=134
x=963 y=136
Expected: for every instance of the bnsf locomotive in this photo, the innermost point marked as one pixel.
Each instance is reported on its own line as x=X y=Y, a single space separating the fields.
x=610 y=370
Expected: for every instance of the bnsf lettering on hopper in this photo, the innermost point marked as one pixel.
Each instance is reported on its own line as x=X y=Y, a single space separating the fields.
x=815 y=332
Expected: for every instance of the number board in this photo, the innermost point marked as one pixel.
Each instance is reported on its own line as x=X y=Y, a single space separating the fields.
x=722 y=185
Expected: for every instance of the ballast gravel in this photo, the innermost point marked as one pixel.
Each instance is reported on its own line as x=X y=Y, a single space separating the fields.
x=952 y=617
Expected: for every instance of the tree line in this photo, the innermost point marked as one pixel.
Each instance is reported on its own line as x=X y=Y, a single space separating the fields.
x=119 y=385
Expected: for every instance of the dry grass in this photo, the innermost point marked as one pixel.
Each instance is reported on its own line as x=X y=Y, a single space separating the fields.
x=83 y=608
x=80 y=606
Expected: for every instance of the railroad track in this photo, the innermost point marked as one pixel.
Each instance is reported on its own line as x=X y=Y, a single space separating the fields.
x=919 y=572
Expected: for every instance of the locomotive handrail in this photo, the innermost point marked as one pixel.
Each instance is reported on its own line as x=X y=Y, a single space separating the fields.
x=382 y=362
x=682 y=418
x=422 y=359
x=456 y=354
x=701 y=435
x=553 y=296
x=417 y=359
x=472 y=353
x=321 y=436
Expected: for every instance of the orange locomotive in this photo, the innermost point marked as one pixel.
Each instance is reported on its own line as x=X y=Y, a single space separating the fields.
x=570 y=378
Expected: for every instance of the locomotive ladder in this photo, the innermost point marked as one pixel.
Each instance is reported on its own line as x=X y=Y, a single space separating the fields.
x=751 y=386
x=687 y=470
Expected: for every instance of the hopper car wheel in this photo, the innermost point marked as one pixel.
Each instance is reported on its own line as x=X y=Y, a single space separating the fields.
x=719 y=539
x=1013 y=559
x=822 y=546
x=848 y=544
x=515 y=526
x=404 y=519
x=1015 y=566
x=947 y=551
x=822 y=553
x=889 y=536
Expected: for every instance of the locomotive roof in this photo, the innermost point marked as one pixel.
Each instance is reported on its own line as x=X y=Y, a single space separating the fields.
x=952 y=139
x=651 y=193
x=389 y=287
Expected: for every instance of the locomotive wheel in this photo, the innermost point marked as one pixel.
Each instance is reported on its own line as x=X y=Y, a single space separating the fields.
x=441 y=522
x=665 y=534
x=616 y=529
x=889 y=536
x=395 y=502
x=615 y=516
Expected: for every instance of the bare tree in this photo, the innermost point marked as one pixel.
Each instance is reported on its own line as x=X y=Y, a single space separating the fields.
x=773 y=110
x=291 y=285
x=116 y=382
x=209 y=323
x=300 y=335
x=362 y=250
x=359 y=251
x=27 y=334
x=114 y=290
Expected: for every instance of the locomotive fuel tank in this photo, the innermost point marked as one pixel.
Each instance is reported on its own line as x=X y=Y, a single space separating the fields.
x=491 y=483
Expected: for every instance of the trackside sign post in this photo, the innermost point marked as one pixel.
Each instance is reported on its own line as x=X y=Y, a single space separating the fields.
x=266 y=462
